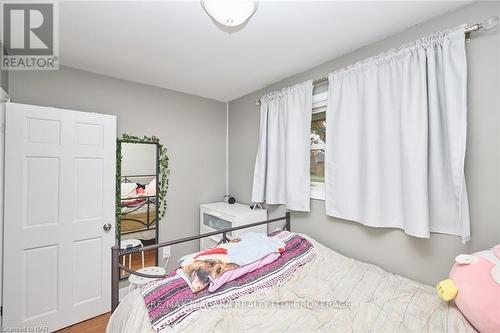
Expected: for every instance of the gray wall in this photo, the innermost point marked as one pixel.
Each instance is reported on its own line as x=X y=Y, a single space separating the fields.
x=4 y=80
x=192 y=128
x=426 y=260
x=138 y=159
x=4 y=76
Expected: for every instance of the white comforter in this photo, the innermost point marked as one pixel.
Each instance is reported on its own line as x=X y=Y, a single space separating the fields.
x=377 y=301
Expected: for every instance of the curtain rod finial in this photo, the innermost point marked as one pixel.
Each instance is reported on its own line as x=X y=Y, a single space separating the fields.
x=489 y=23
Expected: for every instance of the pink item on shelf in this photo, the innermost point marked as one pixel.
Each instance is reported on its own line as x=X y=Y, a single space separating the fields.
x=240 y=271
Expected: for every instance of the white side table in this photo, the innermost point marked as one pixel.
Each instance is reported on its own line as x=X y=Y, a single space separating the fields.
x=138 y=281
x=219 y=215
x=127 y=244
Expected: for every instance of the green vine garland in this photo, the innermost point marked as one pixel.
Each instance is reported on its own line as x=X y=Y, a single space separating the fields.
x=163 y=176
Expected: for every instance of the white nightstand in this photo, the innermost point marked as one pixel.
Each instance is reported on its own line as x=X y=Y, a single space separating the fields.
x=220 y=215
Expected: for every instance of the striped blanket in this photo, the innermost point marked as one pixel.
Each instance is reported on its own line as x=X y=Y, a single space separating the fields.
x=170 y=300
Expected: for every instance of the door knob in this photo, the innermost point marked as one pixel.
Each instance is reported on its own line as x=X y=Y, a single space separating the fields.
x=106 y=227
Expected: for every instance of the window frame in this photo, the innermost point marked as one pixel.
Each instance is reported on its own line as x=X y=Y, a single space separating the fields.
x=319 y=101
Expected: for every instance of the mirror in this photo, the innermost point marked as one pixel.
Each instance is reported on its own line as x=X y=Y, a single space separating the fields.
x=137 y=211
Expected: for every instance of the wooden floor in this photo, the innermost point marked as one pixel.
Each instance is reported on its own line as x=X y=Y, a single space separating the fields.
x=93 y=325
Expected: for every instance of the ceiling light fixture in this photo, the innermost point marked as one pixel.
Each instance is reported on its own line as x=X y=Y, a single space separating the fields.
x=230 y=13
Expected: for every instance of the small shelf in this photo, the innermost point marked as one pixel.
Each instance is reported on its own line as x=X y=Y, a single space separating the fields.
x=215 y=222
x=220 y=215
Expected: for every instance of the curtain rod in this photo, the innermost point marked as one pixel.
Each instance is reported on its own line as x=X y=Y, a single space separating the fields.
x=486 y=25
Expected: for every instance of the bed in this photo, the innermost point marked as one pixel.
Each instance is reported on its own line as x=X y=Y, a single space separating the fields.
x=331 y=293
x=138 y=211
x=139 y=221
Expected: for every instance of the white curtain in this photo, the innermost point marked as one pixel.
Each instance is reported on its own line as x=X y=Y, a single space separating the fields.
x=396 y=133
x=281 y=173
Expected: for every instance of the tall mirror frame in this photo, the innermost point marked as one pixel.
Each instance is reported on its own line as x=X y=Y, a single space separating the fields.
x=158 y=199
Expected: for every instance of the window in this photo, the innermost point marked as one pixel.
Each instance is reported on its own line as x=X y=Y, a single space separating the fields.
x=318 y=140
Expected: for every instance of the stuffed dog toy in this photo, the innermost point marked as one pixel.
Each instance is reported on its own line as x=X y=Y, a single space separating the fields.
x=202 y=268
x=206 y=266
x=202 y=271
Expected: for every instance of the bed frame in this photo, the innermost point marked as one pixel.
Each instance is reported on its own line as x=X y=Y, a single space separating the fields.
x=116 y=253
x=149 y=201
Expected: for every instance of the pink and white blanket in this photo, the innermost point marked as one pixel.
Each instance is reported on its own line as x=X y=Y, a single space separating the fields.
x=171 y=300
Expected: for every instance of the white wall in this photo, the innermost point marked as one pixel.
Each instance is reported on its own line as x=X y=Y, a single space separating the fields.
x=138 y=159
x=2 y=170
x=4 y=87
x=427 y=260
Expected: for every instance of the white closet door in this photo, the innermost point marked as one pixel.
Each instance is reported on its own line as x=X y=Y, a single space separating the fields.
x=59 y=193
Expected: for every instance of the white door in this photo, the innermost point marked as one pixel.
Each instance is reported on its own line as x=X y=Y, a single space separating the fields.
x=59 y=193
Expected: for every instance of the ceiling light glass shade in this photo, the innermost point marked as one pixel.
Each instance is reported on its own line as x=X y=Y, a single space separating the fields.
x=230 y=13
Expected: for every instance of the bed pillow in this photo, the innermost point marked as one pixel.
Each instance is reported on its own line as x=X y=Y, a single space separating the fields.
x=127 y=189
x=201 y=268
x=150 y=188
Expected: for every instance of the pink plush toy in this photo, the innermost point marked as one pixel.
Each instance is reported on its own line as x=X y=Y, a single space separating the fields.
x=474 y=285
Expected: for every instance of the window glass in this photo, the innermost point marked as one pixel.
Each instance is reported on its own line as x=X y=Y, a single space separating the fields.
x=318 y=127
x=317 y=165
x=318 y=139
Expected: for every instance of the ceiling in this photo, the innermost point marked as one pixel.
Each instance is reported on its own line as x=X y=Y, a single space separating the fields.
x=175 y=45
